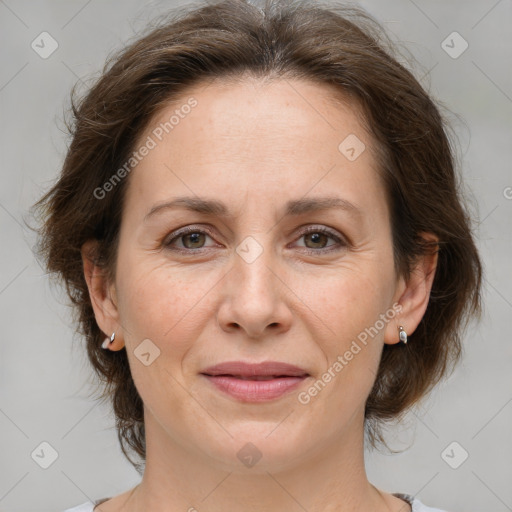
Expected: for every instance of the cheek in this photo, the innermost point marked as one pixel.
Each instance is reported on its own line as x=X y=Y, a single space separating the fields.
x=350 y=300
x=162 y=302
x=169 y=307
x=352 y=304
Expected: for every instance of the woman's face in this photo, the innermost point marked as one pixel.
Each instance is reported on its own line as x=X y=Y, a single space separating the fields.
x=263 y=276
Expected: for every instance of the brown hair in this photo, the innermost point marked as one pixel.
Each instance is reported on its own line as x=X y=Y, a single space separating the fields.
x=334 y=45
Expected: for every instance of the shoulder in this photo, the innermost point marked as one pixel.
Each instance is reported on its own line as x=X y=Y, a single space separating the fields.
x=85 y=507
x=416 y=504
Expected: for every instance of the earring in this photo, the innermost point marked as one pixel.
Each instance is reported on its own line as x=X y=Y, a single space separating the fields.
x=108 y=341
x=402 y=335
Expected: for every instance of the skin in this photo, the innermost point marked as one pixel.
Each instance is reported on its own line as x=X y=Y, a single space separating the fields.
x=254 y=146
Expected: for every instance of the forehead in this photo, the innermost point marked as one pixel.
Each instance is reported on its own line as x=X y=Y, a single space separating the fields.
x=281 y=109
x=281 y=136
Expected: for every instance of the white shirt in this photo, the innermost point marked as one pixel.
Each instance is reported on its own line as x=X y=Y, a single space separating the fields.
x=416 y=504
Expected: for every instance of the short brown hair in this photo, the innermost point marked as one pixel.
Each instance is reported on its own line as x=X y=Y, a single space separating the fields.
x=339 y=46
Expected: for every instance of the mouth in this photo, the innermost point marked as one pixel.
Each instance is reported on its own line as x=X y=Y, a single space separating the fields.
x=253 y=377
x=255 y=382
x=259 y=371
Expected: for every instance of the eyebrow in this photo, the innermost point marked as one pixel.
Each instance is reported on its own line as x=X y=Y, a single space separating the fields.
x=292 y=208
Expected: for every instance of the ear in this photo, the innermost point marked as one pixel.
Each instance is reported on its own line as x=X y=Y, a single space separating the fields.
x=413 y=293
x=102 y=295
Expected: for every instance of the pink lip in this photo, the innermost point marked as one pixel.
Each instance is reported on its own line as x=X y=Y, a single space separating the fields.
x=258 y=382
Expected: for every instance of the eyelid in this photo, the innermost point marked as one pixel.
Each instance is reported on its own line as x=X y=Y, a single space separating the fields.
x=175 y=235
x=338 y=237
x=341 y=240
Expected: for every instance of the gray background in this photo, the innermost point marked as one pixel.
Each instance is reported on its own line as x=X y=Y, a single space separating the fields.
x=45 y=380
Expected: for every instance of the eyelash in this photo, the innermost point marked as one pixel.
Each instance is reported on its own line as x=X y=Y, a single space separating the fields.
x=312 y=229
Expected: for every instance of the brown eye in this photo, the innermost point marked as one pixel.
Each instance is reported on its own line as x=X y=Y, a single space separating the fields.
x=318 y=240
x=193 y=240
x=189 y=239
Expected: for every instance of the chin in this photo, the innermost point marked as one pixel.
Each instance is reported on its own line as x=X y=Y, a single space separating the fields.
x=258 y=448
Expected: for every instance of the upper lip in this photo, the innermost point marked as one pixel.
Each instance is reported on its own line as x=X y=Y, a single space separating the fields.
x=244 y=369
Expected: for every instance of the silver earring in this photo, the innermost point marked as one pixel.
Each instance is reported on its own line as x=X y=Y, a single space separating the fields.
x=402 y=335
x=108 y=341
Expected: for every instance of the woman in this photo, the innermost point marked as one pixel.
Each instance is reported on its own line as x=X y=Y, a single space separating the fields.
x=259 y=226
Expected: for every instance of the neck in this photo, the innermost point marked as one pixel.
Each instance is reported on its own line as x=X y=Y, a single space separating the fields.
x=177 y=478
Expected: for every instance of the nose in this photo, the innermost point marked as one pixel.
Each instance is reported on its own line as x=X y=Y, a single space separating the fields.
x=255 y=298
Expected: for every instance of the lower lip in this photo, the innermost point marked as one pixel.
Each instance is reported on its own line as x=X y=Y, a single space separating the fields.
x=255 y=390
